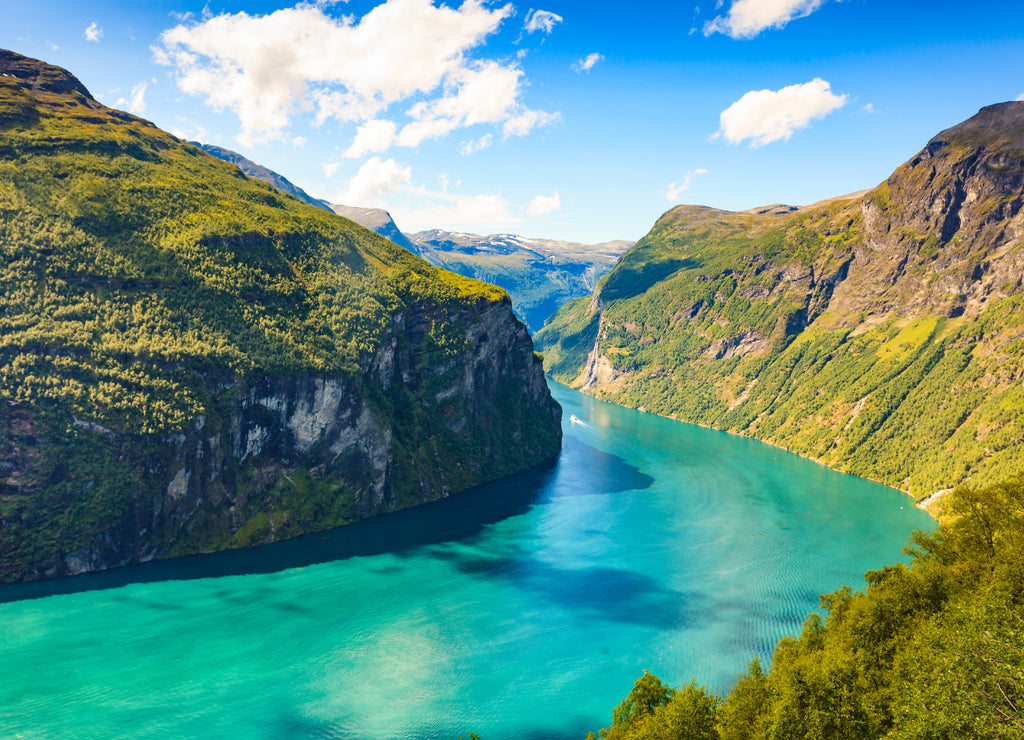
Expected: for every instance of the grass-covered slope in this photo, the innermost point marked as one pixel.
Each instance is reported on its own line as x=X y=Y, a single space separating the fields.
x=881 y=333
x=159 y=307
x=136 y=257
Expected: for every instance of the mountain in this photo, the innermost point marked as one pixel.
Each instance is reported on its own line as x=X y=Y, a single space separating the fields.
x=259 y=172
x=881 y=333
x=377 y=220
x=539 y=274
x=191 y=360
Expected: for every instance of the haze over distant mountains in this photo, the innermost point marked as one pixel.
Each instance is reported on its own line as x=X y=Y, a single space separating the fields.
x=540 y=275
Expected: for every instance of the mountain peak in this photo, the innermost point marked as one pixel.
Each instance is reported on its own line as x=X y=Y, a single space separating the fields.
x=35 y=76
x=998 y=127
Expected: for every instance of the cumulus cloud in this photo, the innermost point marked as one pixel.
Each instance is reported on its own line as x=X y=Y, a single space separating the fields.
x=1020 y=97
x=544 y=204
x=526 y=121
x=375 y=179
x=451 y=210
x=675 y=189
x=764 y=116
x=747 y=18
x=486 y=93
x=137 y=103
x=93 y=32
x=373 y=136
x=474 y=146
x=587 y=63
x=301 y=60
x=541 y=20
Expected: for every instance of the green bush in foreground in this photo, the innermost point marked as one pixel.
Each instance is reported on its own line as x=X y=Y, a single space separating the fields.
x=933 y=651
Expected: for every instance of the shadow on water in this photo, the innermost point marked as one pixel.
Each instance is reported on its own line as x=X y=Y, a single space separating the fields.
x=607 y=594
x=579 y=469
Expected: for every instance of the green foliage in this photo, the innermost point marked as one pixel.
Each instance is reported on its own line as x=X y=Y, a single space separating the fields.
x=740 y=713
x=135 y=261
x=713 y=318
x=933 y=651
x=145 y=283
x=655 y=711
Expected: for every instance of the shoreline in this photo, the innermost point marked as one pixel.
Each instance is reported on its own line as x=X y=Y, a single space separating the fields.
x=929 y=504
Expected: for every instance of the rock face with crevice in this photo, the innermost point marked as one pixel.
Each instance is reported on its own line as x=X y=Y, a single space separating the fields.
x=881 y=332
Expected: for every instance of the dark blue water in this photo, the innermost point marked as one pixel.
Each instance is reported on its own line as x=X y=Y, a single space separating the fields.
x=522 y=609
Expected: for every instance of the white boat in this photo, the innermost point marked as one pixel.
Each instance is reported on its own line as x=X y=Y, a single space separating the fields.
x=574 y=419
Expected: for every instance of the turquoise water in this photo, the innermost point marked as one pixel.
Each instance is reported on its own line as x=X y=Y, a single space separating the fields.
x=524 y=609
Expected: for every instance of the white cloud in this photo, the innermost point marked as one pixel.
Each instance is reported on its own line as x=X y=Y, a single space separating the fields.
x=544 y=204
x=373 y=136
x=747 y=18
x=587 y=63
x=301 y=61
x=674 y=189
x=764 y=116
x=486 y=93
x=870 y=108
x=541 y=20
x=447 y=210
x=474 y=146
x=94 y=33
x=376 y=178
x=526 y=121
x=1020 y=97
x=137 y=103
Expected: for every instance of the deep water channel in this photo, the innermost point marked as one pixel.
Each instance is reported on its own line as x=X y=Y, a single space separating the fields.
x=523 y=609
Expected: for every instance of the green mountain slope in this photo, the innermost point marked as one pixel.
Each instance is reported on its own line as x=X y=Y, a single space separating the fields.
x=192 y=360
x=881 y=333
x=258 y=172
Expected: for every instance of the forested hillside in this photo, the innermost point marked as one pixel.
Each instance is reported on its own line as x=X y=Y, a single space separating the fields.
x=881 y=333
x=932 y=651
x=192 y=360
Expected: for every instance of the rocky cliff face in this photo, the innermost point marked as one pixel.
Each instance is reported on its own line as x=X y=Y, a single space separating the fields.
x=279 y=457
x=191 y=361
x=878 y=332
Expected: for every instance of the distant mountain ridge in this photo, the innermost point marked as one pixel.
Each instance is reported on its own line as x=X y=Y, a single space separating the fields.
x=881 y=333
x=540 y=274
x=258 y=172
x=377 y=220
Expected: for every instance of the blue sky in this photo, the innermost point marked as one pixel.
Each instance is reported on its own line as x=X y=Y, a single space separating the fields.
x=561 y=119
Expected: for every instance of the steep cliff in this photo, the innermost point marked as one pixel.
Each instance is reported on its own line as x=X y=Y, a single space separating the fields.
x=191 y=360
x=879 y=332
